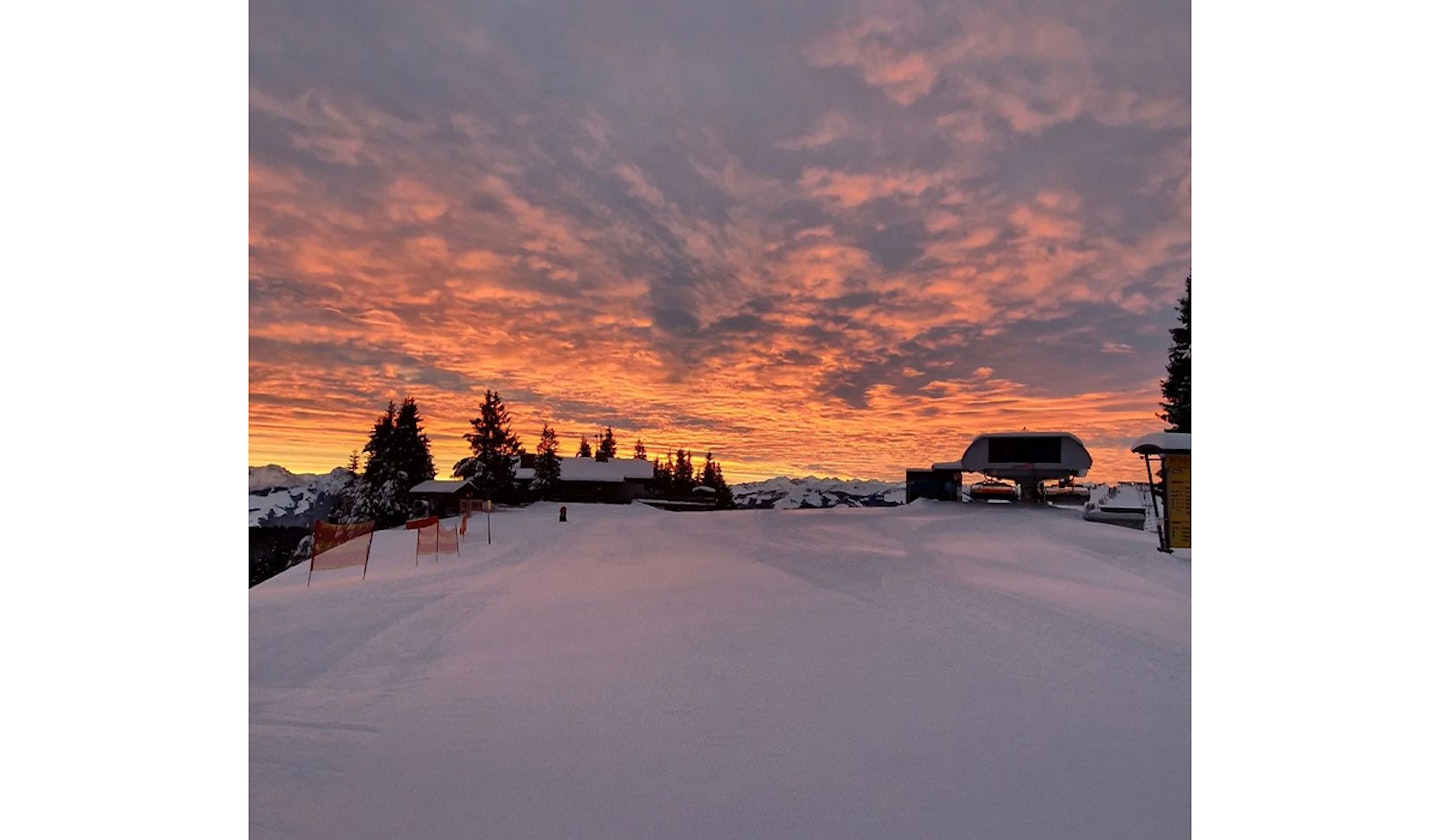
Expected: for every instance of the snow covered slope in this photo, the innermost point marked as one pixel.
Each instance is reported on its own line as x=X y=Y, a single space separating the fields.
x=930 y=670
x=812 y=492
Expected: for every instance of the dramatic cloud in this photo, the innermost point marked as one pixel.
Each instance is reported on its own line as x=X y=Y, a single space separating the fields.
x=807 y=236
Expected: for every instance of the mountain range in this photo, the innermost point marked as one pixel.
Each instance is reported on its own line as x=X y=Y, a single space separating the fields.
x=279 y=497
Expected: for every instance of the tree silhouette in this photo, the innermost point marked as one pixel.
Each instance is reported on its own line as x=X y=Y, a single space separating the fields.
x=607 y=446
x=547 y=462
x=397 y=457
x=1175 y=390
x=492 y=470
x=683 y=480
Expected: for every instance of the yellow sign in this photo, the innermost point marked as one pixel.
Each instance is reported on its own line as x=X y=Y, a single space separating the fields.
x=1177 y=500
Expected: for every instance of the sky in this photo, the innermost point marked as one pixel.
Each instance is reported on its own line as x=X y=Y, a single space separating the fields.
x=898 y=672
x=813 y=238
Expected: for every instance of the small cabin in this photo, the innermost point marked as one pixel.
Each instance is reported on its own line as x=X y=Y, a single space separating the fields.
x=441 y=498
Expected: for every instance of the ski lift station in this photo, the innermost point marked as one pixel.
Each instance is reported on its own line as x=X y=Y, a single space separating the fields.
x=1027 y=459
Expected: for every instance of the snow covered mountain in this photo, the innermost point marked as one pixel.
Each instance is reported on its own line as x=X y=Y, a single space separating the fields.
x=280 y=497
x=811 y=492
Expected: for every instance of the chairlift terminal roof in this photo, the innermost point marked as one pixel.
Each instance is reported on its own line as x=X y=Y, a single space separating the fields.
x=1021 y=456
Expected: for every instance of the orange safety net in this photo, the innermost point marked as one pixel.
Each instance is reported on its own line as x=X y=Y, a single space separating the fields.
x=448 y=541
x=339 y=546
x=427 y=538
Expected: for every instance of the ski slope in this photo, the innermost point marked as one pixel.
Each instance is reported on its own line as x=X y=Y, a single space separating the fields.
x=933 y=670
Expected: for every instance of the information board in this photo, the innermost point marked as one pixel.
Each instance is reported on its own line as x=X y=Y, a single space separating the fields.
x=1177 y=500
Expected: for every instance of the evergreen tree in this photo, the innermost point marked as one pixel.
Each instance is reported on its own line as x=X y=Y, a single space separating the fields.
x=640 y=450
x=584 y=448
x=684 y=475
x=607 y=446
x=384 y=496
x=1175 y=390
x=707 y=473
x=492 y=471
x=660 y=483
x=724 y=499
x=411 y=447
x=547 y=464
x=713 y=477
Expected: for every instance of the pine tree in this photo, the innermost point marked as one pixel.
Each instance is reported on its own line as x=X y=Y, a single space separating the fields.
x=724 y=499
x=547 y=464
x=684 y=475
x=584 y=448
x=492 y=472
x=411 y=447
x=607 y=446
x=348 y=505
x=640 y=450
x=707 y=473
x=1175 y=390
x=383 y=497
x=660 y=483
x=713 y=477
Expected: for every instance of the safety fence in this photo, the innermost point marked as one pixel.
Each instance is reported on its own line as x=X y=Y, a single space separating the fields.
x=341 y=546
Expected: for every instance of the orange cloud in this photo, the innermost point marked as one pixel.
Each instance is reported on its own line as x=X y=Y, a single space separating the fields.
x=854 y=189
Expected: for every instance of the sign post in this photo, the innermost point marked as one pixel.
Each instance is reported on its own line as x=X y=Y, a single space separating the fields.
x=489 y=506
x=1173 y=448
x=1177 y=500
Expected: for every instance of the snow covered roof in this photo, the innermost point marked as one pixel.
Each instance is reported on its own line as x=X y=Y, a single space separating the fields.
x=614 y=470
x=524 y=473
x=1158 y=442
x=438 y=486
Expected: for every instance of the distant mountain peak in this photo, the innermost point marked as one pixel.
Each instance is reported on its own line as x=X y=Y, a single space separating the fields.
x=274 y=475
x=785 y=492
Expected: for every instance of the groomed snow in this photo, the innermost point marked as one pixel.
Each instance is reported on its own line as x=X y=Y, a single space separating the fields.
x=934 y=670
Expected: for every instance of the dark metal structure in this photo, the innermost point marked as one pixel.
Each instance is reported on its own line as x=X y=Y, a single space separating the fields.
x=1028 y=459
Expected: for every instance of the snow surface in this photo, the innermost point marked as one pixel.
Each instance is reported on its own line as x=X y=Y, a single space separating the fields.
x=933 y=670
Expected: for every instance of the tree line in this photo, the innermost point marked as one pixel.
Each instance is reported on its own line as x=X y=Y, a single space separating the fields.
x=397 y=457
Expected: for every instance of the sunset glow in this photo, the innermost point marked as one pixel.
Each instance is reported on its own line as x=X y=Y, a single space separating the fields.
x=833 y=239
